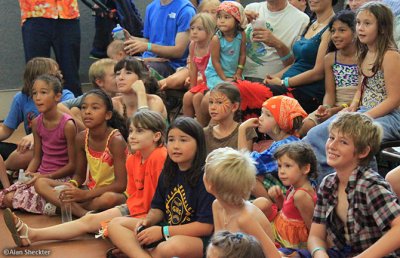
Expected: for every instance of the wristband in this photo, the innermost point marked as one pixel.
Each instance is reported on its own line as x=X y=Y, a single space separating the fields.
x=284 y=58
x=327 y=106
x=166 y=232
x=74 y=182
x=148 y=46
x=316 y=249
x=240 y=66
x=162 y=233
x=286 y=82
x=344 y=105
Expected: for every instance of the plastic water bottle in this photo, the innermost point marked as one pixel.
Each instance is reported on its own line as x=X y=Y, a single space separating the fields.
x=118 y=33
x=66 y=213
x=22 y=177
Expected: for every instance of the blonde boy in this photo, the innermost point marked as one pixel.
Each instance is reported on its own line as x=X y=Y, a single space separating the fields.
x=230 y=176
x=356 y=207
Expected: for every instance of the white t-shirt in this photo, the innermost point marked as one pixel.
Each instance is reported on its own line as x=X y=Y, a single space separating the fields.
x=287 y=25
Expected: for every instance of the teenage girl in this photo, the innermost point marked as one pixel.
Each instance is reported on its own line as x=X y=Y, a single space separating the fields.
x=238 y=245
x=202 y=29
x=297 y=164
x=146 y=141
x=181 y=208
x=281 y=117
x=133 y=81
x=23 y=110
x=53 y=155
x=230 y=176
x=377 y=93
x=100 y=150
x=341 y=71
x=224 y=104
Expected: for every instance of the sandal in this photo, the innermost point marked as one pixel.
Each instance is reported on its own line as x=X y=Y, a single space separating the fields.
x=15 y=228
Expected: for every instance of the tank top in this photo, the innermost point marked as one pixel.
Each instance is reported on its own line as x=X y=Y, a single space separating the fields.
x=345 y=75
x=201 y=63
x=289 y=209
x=373 y=90
x=54 y=145
x=100 y=163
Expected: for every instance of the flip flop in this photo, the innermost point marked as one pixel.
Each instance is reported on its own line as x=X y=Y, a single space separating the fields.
x=15 y=228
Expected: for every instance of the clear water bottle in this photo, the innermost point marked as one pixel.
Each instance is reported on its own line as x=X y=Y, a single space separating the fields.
x=22 y=177
x=66 y=213
x=118 y=33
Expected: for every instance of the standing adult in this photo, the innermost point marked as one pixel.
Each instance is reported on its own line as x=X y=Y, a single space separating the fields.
x=53 y=24
x=276 y=26
x=166 y=35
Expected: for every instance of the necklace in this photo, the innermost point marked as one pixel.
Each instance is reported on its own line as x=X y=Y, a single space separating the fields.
x=316 y=24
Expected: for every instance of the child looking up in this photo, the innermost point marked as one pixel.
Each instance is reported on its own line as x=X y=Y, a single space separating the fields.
x=101 y=150
x=224 y=105
x=228 y=46
x=229 y=176
x=181 y=208
x=341 y=71
x=281 y=117
x=297 y=165
x=356 y=207
x=146 y=138
x=53 y=155
x=237 y=245
x=202 y=29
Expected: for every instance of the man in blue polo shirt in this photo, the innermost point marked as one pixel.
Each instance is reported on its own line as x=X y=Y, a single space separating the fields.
x=166 y=35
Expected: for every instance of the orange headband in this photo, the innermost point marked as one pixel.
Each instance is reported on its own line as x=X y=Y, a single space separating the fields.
x=284 y=109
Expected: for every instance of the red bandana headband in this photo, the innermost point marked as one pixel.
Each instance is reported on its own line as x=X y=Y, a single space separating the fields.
x=230 y=8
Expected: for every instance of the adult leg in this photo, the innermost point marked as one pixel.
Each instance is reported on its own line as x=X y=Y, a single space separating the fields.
x=122 y=232
x=393 y=177
x=5 y=183
x=162 y=68
x=66 y=45
x=36 y=37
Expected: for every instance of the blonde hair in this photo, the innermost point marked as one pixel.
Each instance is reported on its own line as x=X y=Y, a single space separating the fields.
x=97 y=69
x=363 y=131
x=207 y=21
x=231 y=173
x=115 y=47
x=203 y=3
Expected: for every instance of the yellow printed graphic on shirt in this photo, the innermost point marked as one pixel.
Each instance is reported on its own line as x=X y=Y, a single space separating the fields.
x=177 y=207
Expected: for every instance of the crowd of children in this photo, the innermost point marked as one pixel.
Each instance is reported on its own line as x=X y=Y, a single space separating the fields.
x=196 y=186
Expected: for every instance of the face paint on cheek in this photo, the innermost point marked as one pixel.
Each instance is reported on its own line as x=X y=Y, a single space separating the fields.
x=225 y=102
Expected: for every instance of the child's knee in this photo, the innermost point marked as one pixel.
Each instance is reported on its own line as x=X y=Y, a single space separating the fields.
x=263 y=204
x=8 y=200
x=109 y=199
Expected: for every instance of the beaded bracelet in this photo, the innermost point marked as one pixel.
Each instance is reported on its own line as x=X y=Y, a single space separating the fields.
x=344 y=105
x=143 y=107
x=240 y=66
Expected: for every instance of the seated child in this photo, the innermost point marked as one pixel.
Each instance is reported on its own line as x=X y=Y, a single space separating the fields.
x=180 y=218
x=238 y=245
x=146 y=138
x=356 y=207
x=281 y=117
x=297 y=165
x=230 y=175
x=100 y=152
x=53 y=155
x=101 y=75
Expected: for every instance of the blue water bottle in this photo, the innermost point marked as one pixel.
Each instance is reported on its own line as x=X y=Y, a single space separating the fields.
x=118 y=33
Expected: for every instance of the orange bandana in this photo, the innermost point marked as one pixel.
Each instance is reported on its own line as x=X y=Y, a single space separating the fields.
x=236 y=10
x=284 y=109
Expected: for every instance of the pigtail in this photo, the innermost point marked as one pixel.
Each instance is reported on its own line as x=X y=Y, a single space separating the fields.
x=120 y=123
